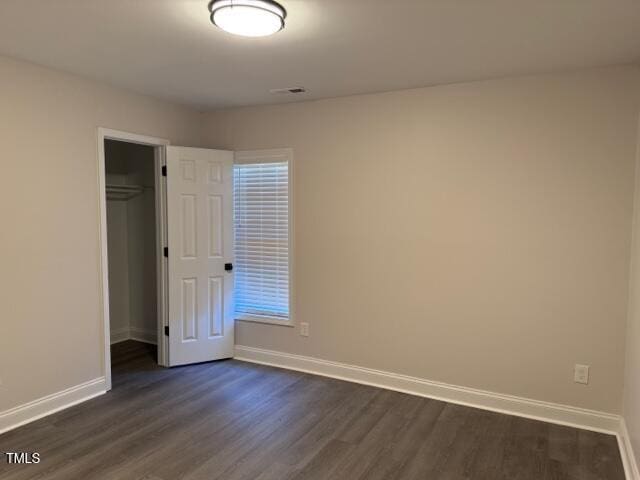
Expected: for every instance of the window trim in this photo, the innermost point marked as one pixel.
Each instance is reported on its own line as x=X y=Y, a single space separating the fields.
x=273 y=156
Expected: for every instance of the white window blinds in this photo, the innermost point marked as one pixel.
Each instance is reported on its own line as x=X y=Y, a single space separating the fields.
x=261 y=218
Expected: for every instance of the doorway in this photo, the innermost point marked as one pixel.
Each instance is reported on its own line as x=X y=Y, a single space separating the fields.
x=193 y=192
x=133 y=235
x=131 y=242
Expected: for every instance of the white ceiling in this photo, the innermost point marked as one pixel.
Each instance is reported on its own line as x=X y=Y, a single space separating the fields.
x=169 y=49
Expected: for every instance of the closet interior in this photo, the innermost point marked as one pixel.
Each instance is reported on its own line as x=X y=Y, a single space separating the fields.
x=131 y=241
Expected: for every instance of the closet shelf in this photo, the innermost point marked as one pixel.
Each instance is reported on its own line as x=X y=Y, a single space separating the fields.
x=123 y=192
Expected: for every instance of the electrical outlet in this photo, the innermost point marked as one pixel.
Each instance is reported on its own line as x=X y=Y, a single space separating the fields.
x=581 y=373
x=304 y=329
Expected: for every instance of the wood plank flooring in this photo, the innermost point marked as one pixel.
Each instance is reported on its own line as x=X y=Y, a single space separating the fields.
x=231 y=420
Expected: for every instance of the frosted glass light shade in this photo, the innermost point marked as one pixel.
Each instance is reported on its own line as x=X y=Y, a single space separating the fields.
x=249 y=18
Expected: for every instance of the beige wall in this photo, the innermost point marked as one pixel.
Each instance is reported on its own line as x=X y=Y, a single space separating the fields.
x=50 y=313
x=119 y=298
x=141 y=233
x=632 y=371
x=476 y=234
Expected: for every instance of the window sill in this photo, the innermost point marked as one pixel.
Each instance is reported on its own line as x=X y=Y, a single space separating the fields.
x=283 y=322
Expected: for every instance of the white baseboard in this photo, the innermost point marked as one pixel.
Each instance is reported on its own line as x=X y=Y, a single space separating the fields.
x=509 y=404
x=134 y=333
x=120 y=335
x=23 y=414
x=141 y=335
x=629 y=459
x=497 y=402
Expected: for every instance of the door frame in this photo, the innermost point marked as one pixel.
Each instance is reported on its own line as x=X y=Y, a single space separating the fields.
x=159 y=145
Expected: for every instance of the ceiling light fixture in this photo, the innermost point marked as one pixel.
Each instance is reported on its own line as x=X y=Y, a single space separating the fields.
x=249 y=18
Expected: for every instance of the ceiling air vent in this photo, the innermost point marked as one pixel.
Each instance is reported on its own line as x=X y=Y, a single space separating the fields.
x=288 y=91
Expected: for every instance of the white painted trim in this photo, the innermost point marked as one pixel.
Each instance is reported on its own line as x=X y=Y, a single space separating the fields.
x=265 y=319
x=23 y=414
x=162 y=262
x=120 y=335
x=109 y=134
x=104 y=259
x=134 y=333
x=496 y=402
x=142 y=335
x=629 y=460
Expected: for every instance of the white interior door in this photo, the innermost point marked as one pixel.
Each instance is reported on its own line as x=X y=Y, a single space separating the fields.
x=200 y=243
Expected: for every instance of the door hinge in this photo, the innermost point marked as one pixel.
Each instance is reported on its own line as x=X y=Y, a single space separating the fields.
x=166 y=252
x=164 y=170
x=166 y=330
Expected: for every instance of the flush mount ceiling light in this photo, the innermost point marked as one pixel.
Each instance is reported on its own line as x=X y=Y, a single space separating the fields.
x=250 y=18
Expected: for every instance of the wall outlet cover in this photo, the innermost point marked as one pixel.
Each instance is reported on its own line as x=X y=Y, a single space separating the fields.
x=304 y=329
x=581 y=373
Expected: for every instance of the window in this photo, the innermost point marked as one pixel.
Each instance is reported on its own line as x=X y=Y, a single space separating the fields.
x=262 y=237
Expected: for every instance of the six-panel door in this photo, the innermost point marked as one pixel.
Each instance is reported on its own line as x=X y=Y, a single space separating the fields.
x=200 y=241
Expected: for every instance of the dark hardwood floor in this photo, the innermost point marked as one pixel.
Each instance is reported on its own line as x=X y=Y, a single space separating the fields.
x=232 y=420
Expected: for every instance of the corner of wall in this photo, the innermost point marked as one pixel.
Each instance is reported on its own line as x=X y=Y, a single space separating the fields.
x=630 y=423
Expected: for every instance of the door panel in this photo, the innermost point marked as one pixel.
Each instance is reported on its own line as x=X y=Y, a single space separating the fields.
x=200 y=241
